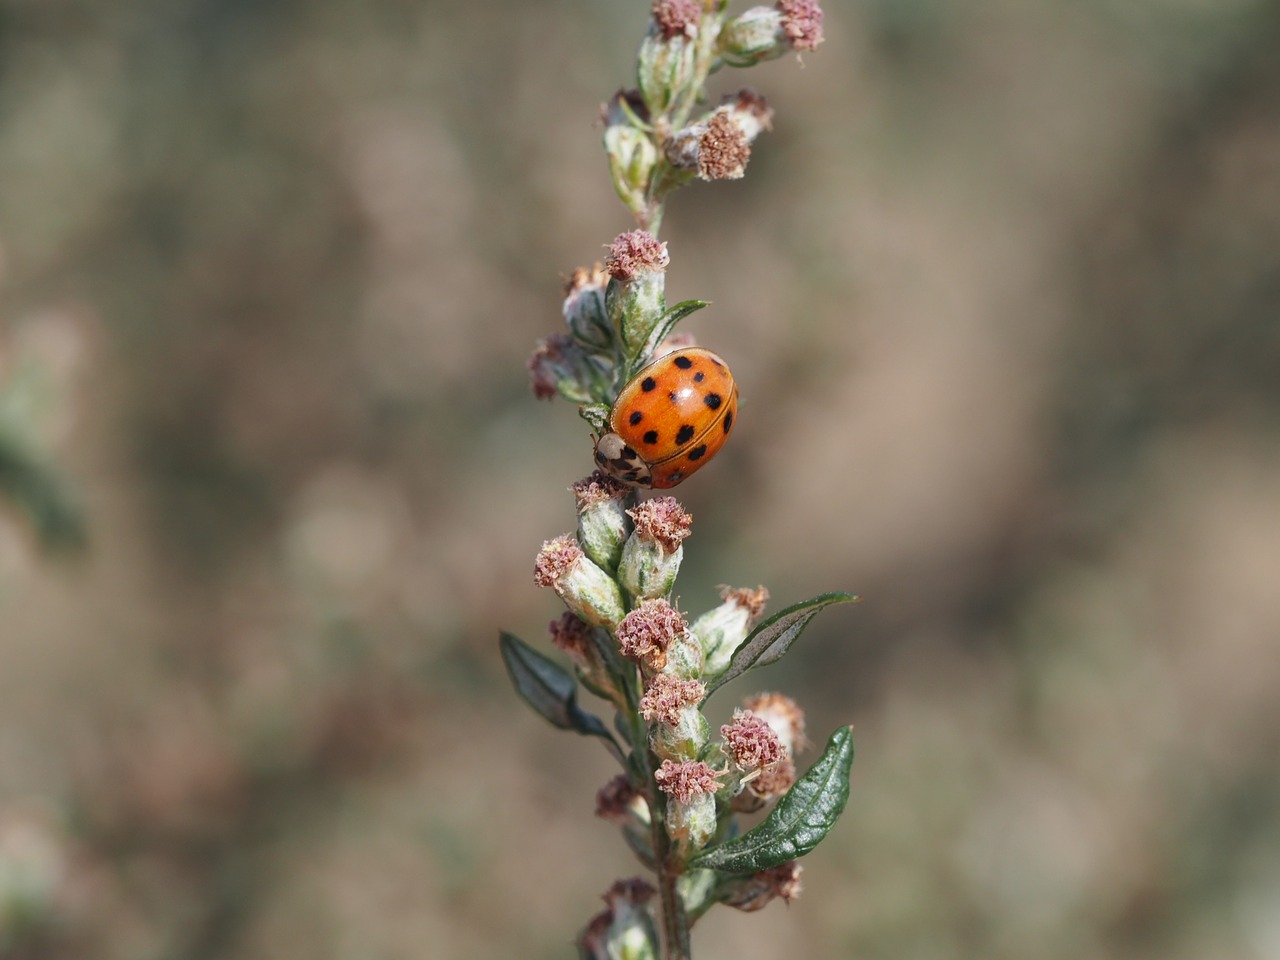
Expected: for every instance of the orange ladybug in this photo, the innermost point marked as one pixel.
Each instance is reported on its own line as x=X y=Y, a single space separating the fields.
x=672 y=417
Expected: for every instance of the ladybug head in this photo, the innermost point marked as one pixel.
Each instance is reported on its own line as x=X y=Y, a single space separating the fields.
x=621 y=461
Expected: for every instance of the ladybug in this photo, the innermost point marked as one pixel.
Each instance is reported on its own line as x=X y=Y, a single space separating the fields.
x=670 y=419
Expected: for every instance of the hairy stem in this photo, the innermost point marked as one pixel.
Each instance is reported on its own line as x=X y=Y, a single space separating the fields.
x=672 y=921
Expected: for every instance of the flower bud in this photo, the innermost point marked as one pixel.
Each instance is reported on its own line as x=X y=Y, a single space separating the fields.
x=752 y=37
x=668 y=53
x=652 y=554
x=603 y=524
x=768 y=784
x=683 y=739
x=584 y=309
x=559 y=364
x=629 y=147
x=784 y=715
x=680 y=731
x=756 y=891
x=684 y=658
x=586 y=589
x=690 y=786
x=763 y=33
x=635 y=299
x=751 y=743
x=674 y=18
x=722 y=630
x=621 y=804
x=645 y=633
x=802 y=23
x=572 y=635
x=718 y=146
x=625 y=929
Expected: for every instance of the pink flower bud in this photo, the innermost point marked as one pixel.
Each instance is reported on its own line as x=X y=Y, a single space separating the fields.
x=784 y=715
x=586 y=589
x=635 y=253
x=645 y=633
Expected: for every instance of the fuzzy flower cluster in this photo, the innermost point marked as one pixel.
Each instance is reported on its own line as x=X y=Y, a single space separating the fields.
x=718 y=147
x=647 y=631
x=615 y=575
x=635 y=253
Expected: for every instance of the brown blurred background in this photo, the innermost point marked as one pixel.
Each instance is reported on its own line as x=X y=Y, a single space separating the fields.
x=1002 y=292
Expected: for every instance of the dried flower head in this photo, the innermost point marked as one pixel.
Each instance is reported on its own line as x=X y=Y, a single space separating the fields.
x=758 y=890
x=722 y=630
x=751 y=742
x=584 y=587
x=556 y=560
x=616 y=799
x=719 y=146
x=752 y=601
x=584 y=306
x=584 y=280
x=802 y=23
x=662 y=521
x=749 y=111
x=603 y=524
x=624 y=927
x=723 y=150
x=635 y=892
x=546 y=365
x=783 y=714
x=676 y=18
x=645 y=633
x=570 y=634
x=596 y=489
x=774 y=780
x=634 y=253
x=666 y=695
x=686 y=780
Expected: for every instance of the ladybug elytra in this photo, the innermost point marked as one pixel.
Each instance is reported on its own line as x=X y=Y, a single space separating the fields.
x=670 y=419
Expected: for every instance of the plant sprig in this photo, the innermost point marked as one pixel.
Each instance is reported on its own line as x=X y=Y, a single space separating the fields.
x=681 y=788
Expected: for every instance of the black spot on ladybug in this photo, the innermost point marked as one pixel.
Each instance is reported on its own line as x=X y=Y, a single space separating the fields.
x=684 y=363
x=712 y=400
x=651 y=436
x=635 y=418
x=699 y=376
x=728 y=421
x=647 y=384
x=684 y=434
x=698 y=452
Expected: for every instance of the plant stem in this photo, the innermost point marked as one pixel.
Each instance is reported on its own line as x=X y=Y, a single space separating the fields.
x=673 y=922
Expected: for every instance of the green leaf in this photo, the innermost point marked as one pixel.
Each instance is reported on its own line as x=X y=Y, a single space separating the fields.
x=799 y=821
x=662 y=329
x=596 y=414
x=548 y=688
x=774 y=637
x=36 y=488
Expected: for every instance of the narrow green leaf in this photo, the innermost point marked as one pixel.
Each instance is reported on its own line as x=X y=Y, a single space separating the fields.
x=39 y=490
x=800 y=820
x=771 y=639
x=596 y=414
x=548 y=688
x=662 y=329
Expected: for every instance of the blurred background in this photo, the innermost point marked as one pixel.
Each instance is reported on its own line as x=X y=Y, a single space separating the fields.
x=1002 y=293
